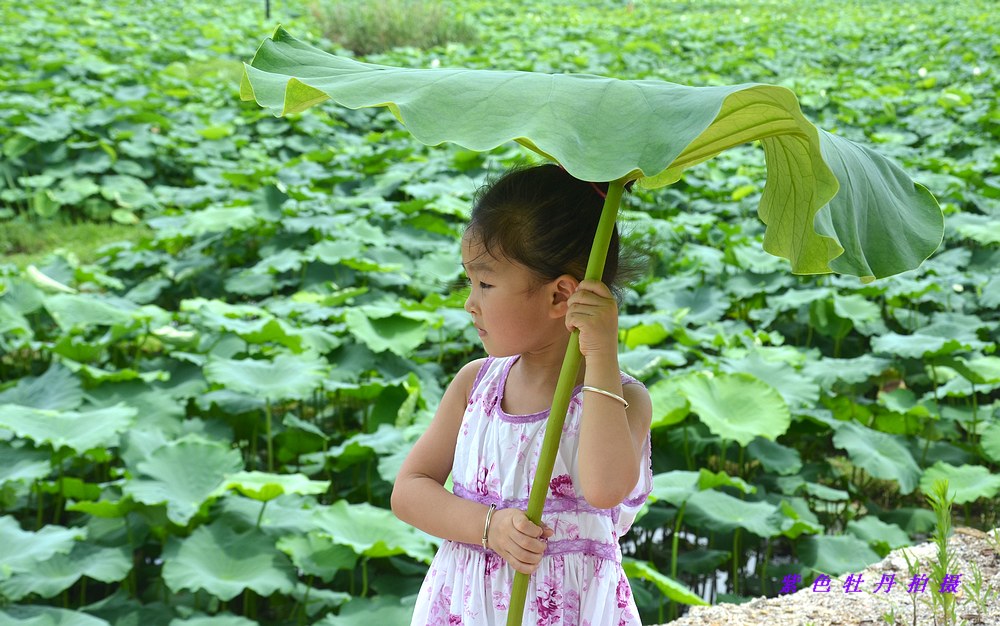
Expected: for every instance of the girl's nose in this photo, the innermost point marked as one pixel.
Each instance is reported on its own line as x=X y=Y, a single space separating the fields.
x=469 y=306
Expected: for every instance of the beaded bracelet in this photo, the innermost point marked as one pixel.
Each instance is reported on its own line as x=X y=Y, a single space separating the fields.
x=606 y=393
x=486 y=528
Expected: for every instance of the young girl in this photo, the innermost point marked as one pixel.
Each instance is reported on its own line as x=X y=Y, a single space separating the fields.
x=525 y=251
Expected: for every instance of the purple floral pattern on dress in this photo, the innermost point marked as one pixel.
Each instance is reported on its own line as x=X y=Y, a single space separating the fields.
x=623 y=593
x=562 y=486
x=493 y=563
x=549 y=603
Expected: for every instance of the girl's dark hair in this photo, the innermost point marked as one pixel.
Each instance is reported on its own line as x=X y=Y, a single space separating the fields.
x=545 y=219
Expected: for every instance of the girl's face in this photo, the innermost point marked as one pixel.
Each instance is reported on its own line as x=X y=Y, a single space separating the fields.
x=511 y=311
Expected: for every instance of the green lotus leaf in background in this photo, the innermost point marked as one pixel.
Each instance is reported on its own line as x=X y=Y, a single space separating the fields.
x=381 y=329
x=184 y=474
x=81 y=431
x=264 y=486
x=33 y=615
x=669 y=587
x=775 y=457
x=286 y=377
x=57 y=390
x=52 y=576
x=881 y=455
x=737 y=407
x=880 y=535
x=318 y=555
x=669 y=406
x=21 y=550
x=833 y=555
x=373 y=531
x=224 y=562
x=382 y=609
x=797 y=390
x=824 y=195
x=722 y=512
x=219 y=619
x=966 y=483
x=798 y=519
x=23 y=465
x=990 y=440
x=677 y=486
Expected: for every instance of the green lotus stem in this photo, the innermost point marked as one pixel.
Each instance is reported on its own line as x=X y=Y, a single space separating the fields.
x=564 y=390
x=270 y=442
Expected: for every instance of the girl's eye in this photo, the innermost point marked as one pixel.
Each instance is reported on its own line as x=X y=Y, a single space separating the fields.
x=483 y=285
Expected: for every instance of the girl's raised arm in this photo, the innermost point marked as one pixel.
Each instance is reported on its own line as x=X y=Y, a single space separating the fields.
x=418 y=495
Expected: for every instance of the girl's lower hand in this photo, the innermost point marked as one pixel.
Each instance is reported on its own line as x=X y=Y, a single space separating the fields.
x=594 y=311
x=517 y=539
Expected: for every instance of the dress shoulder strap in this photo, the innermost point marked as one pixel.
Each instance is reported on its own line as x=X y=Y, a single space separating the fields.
x=629 y=380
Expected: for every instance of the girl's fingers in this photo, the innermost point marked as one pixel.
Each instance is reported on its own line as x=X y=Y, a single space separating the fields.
x=595 y=287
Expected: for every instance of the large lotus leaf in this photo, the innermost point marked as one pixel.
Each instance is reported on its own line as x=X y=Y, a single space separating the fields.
x=880 y=454
x=23 y=464
x=20 y=550
x=381 y=329
x=676 y=591
x=918 y=345
x=285 y=515
x=220 y=619
x=157 y=408
x=607 y=129
x=80 y=431
x=286 y=377
x=381 y=609
x=835 y=555
x=373 y=531
x=183 y=474
x=33 y=615
x=14 y=324
x=669 y=406
x=86 y=310
x=828 y=371
x=317 y=555
x=737 y=407
x=677 y=486
x=884 y=537
x=264 y=486
x=56 y=390
x=966 y=483
x=775 y=457
x=715 y=510
x=990 y=440
x=796 y=389
x=60 y=571
x=224 y=562
x=983 y=370
x=798 y=518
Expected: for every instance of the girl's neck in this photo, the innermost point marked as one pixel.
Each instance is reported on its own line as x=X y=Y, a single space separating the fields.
x=533 y=379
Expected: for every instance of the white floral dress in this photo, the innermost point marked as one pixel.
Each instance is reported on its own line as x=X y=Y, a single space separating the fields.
x=580 y=581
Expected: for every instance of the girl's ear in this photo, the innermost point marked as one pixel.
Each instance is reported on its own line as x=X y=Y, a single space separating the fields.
x=561 y=289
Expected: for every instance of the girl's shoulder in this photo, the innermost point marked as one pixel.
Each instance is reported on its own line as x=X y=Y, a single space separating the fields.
x=470 y=374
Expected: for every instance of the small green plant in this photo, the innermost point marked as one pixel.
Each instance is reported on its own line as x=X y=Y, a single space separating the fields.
x=912 y=569
x=941 y=502
x=889 y=617
x=380 y=25
x=977 y=595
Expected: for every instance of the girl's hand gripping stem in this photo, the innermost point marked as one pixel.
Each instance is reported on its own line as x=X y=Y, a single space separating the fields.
x=517 y=540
